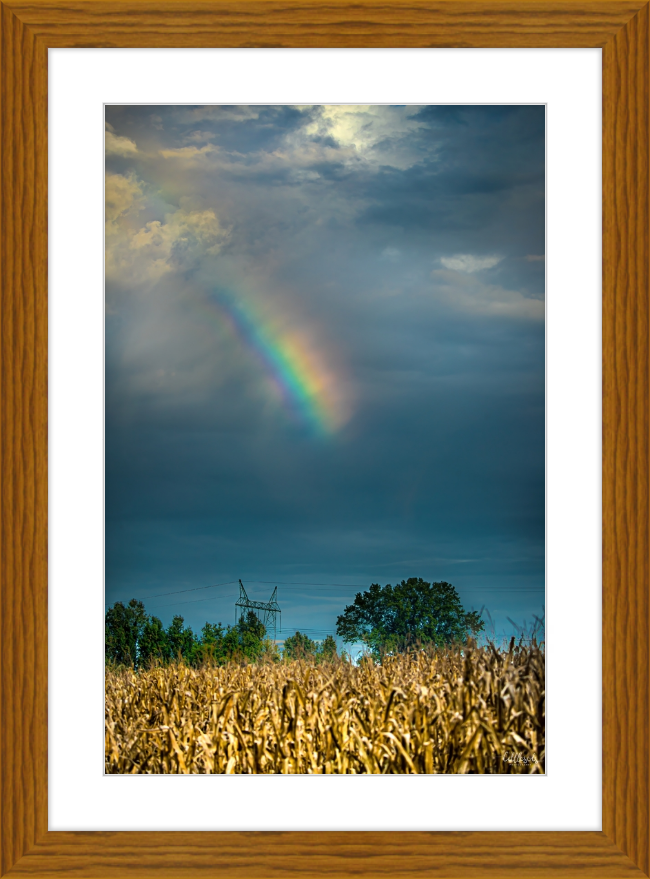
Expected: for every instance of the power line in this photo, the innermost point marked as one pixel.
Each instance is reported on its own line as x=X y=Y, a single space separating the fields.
x=193 y=589
x=306 y=629
x=179 y=591
x=360 y=586
x=177 y=603
x=282 y=583
x=301 y=585
x=229 y=583
x=481 y=590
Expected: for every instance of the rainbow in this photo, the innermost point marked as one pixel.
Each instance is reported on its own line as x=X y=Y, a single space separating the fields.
x=306 y=386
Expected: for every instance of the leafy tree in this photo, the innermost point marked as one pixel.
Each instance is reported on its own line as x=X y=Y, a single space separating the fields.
x=211 y=633
x=231 y=646
x=300 y=646
x=251 y=634
x=181 y=640
x=327 y=650
x=270 y=651
x=123 y=627
x=210 y=646
x=393 y=618
x=153 y=643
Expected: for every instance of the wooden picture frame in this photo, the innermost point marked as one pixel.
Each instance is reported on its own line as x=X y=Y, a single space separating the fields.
x=622 y=29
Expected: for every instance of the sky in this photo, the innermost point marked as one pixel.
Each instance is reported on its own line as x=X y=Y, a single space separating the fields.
x=325 y=362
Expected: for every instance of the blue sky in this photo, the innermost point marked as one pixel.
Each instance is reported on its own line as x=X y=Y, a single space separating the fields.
x=324 y=356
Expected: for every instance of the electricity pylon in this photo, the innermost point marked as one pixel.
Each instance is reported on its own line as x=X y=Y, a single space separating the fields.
x=265 y=611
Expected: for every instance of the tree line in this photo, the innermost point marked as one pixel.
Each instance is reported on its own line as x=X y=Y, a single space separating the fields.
x=390 y=619
x=134 y=638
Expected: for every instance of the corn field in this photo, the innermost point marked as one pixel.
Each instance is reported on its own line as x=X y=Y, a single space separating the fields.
x=475 y=710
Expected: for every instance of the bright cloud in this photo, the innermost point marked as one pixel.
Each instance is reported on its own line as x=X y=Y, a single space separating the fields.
x=119 y=146
x=190 y=153
x=162 y=247
x=379 y=135
x=122 y=195
x=146 y=252
x=465 y=262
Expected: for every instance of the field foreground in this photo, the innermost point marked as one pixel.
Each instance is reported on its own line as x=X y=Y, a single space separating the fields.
x=479 y=710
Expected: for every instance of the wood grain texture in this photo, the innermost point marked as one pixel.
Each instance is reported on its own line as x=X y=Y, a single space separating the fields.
x=336 y=23
x=626 y=437
x=23 y=439
x=26 y=847
x=366 y=854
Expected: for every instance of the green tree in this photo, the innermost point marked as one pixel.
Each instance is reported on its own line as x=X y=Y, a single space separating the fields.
x=212 y=633
x=270 y=651
x=327 y=650
x=181 y=640
x=153 y=644
x=300 y=646
x=210 y=645
x=231 y=645
x=411 y=613
x=251 y=634
x=123 y=625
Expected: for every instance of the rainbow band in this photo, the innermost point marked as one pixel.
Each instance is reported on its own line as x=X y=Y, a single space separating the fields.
x=306 y=387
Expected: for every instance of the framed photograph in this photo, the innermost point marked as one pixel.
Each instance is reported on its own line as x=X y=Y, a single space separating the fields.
x=28 y=32
x=314 y=314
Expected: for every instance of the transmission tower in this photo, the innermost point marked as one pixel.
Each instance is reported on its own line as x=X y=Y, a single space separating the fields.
x=265 y=611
